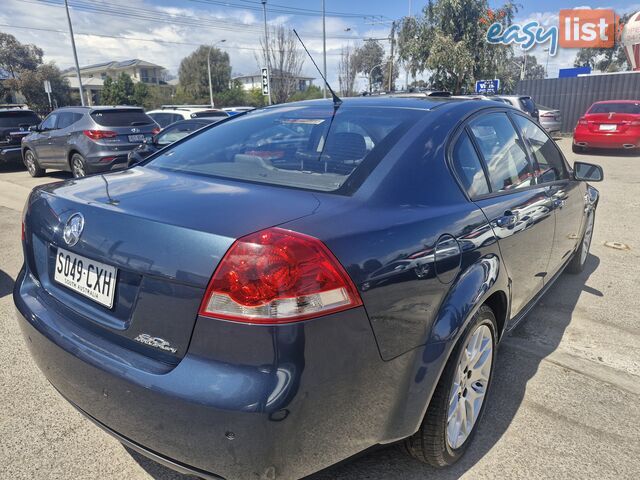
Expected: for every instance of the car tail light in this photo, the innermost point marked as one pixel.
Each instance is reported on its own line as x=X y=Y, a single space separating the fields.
x=99 y=134
x=155 y=131
x=278 y=276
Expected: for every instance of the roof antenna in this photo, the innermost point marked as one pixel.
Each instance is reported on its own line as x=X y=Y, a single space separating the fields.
x=336 y=100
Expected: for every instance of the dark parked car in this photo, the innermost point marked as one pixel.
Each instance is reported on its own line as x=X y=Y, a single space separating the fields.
x=15 y=121
x=167 y=136
x=85 y=140
x=251 y=304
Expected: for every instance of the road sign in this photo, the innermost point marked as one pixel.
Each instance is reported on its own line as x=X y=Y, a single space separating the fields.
x=265 y=81
x=488 y=87
x=47 y=86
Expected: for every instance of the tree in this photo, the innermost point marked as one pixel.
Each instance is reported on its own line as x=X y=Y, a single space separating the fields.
x=123 y=91
x=368 y=60
x=284 y=60
x=194 y=74
x=347 y=72
x=453 y=32
x=16 y=56
x=31 y=84
x=230 y=97
x=604 y=59
x=311 y=93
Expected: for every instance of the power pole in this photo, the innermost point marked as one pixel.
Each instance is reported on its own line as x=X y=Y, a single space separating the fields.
x=392 y=40
x=75 y=54
x=324 y=50
x=266 y=46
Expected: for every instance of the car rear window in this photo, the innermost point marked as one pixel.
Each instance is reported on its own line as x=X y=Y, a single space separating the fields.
x=615 y=107
x=527 y=104
x=121 y=118
x=17 y=118
x=309 y=147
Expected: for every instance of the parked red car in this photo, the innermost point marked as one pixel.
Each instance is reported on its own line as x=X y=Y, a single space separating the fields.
x=610 y=124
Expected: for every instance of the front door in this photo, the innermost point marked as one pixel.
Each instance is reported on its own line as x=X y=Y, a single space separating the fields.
x=566 y=196
x=42 y=141
x=520 y=212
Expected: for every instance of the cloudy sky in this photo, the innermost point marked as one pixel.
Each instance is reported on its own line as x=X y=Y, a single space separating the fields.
x=164 y=31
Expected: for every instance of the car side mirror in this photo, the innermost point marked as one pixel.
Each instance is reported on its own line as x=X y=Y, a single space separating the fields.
x=587 y=172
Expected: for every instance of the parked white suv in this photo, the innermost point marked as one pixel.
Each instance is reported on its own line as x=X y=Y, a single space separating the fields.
x=168 y=114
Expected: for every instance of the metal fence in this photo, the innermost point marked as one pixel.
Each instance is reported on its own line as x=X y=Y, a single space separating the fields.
x=572 y=96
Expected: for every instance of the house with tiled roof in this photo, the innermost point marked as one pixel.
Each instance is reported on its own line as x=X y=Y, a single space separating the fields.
x=93 y=76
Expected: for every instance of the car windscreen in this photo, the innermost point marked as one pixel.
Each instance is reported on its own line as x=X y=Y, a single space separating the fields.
x=615 y=107
x=121 y=118
x=209 y=114
x=177 y=132
x=311 y=147
x=17 y=118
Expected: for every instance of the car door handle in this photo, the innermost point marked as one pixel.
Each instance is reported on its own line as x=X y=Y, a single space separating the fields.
x=559 y=203
x=508 y=219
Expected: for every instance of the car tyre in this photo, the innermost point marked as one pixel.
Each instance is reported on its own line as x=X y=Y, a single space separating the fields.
x=436 y=441
x=577 y=263
x=78 y=166
x=31 y=162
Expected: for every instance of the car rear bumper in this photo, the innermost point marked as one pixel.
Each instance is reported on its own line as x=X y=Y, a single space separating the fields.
x=551 y=126
x=11 y=155
x=244 y=402
x=606 y=140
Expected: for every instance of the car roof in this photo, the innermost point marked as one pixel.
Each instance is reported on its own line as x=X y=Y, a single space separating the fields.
x=390 y=100
x=189 y=121
x=617 y=101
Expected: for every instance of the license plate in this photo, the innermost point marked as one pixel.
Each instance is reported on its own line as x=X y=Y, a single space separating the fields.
x=94 y=280
x=136 y=138
x=607 y=127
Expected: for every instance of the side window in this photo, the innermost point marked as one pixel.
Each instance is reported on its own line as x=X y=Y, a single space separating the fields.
x=504 y=154
x=550 y=165
x=49 y=123
x=468 y=167
x=65 y=119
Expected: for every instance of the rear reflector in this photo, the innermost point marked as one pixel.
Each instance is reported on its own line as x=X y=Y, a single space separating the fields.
x=99 y=134
x=278 y=276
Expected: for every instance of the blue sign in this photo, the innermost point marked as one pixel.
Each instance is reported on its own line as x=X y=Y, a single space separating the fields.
x=488 y=87
x=573 y=72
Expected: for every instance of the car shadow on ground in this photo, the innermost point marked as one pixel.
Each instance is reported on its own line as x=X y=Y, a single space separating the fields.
x=6 y=284
x=610 y=152
x=540 y=331
x=11 y=168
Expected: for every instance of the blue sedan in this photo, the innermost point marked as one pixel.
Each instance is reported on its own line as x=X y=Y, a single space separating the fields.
x=276 y=293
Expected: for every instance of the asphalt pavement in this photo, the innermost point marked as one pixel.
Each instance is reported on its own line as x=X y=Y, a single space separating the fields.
x=564 y=403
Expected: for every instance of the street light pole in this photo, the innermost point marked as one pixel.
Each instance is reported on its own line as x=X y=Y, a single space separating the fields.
x=546 y=67
x=209 y=69
x=266 y=46
x=75 y=54
x=324 y=50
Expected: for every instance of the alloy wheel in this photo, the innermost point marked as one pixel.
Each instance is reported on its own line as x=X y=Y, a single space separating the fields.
x=470 y=385
x=77 y=167
x=31 y=163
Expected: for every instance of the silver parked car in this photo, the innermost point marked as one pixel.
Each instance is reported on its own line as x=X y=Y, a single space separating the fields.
x=85 y=140
x=550 y=118
x=522 y=102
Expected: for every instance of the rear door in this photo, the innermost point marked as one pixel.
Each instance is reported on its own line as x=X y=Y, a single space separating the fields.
x=519 y=211
x=566 y=196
